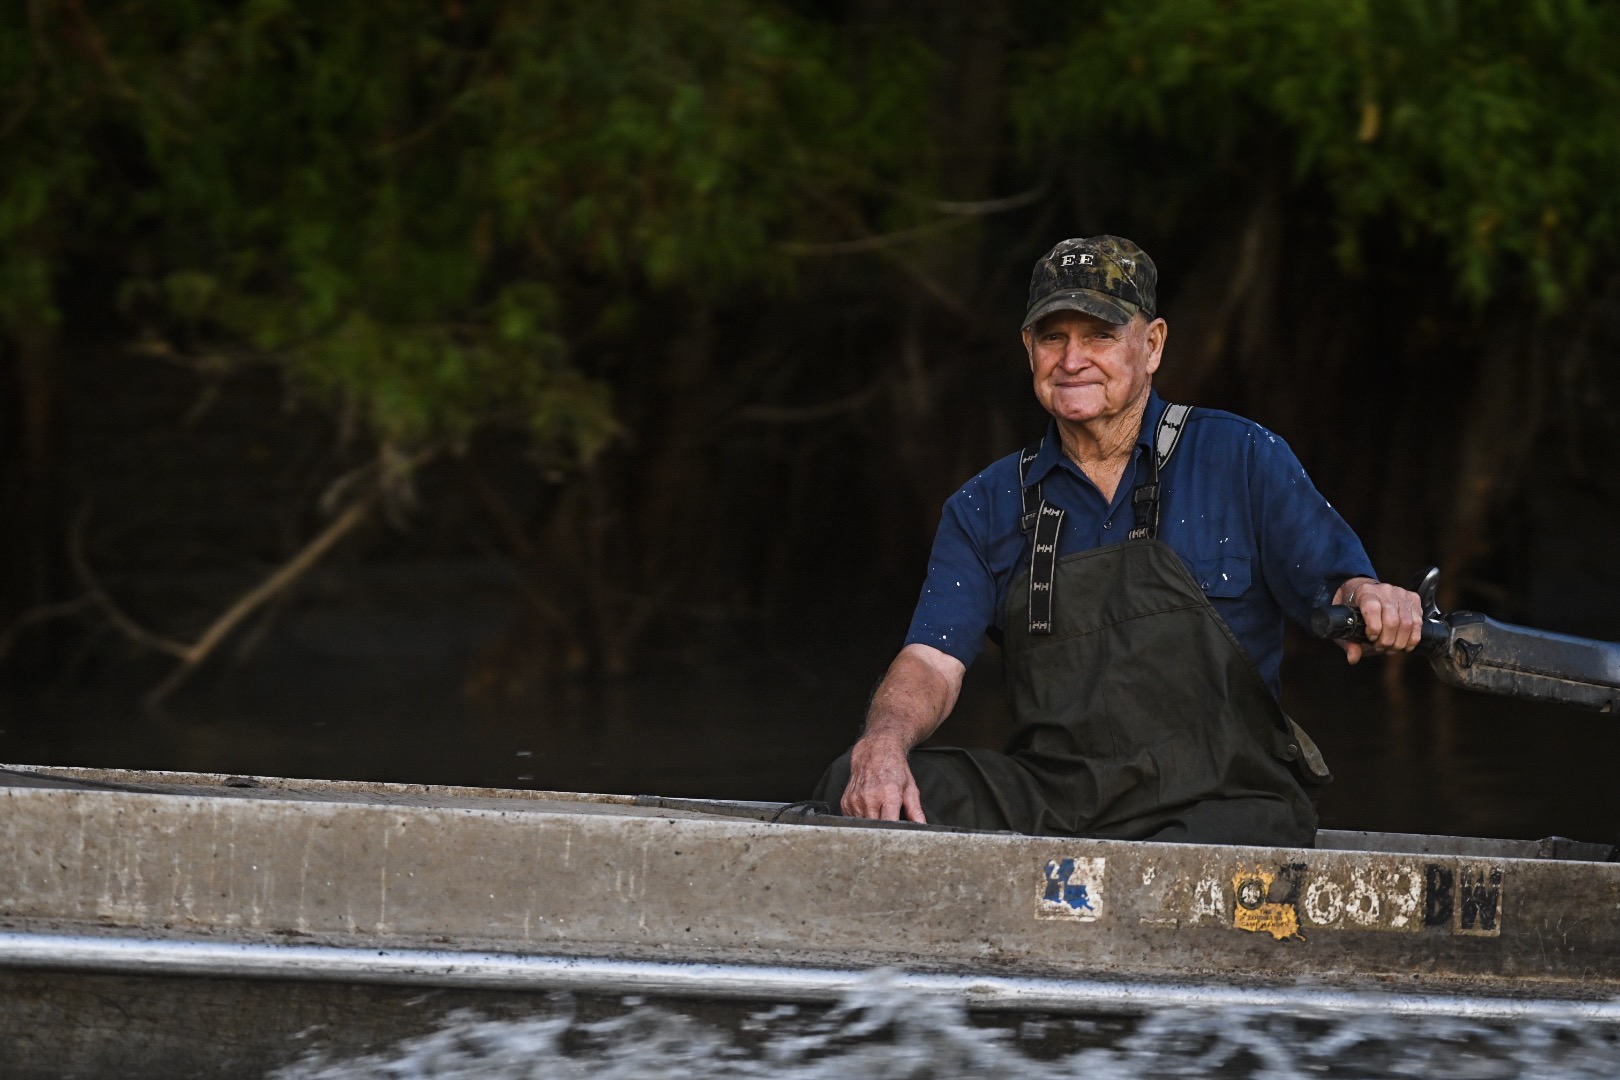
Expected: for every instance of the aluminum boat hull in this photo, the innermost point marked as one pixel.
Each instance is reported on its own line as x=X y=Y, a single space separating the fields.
x=193 y=888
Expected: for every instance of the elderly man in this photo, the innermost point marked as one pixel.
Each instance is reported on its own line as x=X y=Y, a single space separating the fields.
x=1136 y=564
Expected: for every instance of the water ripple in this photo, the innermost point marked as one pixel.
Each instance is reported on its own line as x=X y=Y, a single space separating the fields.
x=884 y=1032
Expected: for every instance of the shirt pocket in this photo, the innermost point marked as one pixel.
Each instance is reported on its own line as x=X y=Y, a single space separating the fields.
x=1226 y=576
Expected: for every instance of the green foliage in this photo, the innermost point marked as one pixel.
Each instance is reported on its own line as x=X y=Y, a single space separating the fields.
x=1493 y=126
x=46 y=159
x=423 y=208
x=419 y=207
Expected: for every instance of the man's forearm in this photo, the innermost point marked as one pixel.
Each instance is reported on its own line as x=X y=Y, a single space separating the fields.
x=915 y=696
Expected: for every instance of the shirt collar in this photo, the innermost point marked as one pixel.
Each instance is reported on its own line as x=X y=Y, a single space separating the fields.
x=1051 y=454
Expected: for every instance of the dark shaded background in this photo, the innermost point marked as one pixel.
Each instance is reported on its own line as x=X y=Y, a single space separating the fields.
x=674 y=554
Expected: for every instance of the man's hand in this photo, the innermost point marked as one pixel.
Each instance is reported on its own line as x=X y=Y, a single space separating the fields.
x=914 y=697
x=1393 y=616
x=880 y=783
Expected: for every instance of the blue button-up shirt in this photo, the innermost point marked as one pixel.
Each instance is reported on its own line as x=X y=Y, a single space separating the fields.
x=1235 y=504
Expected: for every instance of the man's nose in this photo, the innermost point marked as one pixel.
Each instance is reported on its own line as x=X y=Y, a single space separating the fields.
x=1075 y=356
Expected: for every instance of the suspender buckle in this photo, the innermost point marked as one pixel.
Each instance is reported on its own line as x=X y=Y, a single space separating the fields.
x=1029 y=495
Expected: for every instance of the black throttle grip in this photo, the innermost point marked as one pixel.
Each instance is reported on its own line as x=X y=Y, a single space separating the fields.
x=1340 y=622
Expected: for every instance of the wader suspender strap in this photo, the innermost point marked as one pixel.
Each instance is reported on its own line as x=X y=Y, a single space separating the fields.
x=1045 y=521
x=1145 y=499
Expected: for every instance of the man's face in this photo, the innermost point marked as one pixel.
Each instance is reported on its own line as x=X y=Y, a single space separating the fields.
x=1086 y=369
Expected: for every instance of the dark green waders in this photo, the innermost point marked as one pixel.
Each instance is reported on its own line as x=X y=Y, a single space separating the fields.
x=1136 y=714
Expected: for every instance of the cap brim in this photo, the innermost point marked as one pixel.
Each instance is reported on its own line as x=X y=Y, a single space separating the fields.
x=1107 y=308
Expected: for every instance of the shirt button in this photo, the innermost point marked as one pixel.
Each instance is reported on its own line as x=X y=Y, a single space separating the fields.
x=1108 y=524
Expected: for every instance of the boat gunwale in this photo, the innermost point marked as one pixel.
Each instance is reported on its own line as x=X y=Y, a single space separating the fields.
x=1547 y=849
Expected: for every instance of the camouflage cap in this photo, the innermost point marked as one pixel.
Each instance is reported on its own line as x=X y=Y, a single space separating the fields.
x=1105 y=276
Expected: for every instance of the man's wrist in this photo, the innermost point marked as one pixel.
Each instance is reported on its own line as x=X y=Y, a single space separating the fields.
x=1350 y=588
x=884 y=742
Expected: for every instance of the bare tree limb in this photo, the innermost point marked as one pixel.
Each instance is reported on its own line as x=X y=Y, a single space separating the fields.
x=42 y=613
x=285 y=576
x=981 y=207
x=962 y=210
x=921 y=278
x=875 y=242
x=192 y=656
x=934 y=289
x=115 y=614
x=499 y=511
x=808 y=414
x=506 y=522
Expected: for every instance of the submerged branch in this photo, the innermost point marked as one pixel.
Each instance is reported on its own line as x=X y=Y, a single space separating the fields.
x=193 y=655
x=42 y=613
x=283 y=578
x=102 y=599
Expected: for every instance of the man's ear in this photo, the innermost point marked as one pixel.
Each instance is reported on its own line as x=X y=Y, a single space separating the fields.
x=1029 y=345
x=1158 y=332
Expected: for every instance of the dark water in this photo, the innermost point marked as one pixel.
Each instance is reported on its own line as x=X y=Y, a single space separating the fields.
x=331 y=698
x=340 y=691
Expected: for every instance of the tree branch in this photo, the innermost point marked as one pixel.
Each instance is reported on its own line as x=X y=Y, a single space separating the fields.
x=807 y=414
x=964 y=212
x=284 y=577
x=42 y=613
x=103 y=600
x=192 y=656
x=876 y=242
x=886 y=243
x=981 y=207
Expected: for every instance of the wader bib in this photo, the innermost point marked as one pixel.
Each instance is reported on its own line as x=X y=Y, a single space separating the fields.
x=1136 y=713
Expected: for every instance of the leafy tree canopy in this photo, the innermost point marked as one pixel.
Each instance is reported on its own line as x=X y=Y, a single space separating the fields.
x=419 y=207
x=1493 y=127
x=423 y=209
